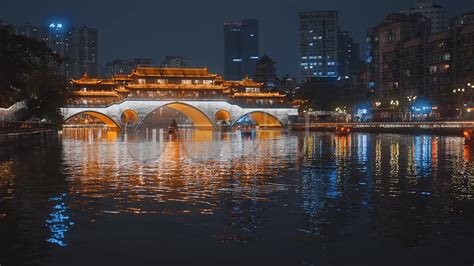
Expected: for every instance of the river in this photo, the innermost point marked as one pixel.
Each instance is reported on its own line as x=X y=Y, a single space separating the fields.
x=263 y=198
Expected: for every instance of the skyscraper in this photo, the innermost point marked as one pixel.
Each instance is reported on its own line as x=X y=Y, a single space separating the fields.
x=435 y=13
x=241 y=51
x=347 y=55
x=59 y=40
x=318 y=44
x=87 y=52
x=78 y=47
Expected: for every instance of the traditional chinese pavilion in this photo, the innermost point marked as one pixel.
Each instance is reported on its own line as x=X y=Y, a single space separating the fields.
x=146 y=83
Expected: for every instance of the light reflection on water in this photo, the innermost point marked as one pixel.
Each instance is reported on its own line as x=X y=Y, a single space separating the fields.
x=392 y=192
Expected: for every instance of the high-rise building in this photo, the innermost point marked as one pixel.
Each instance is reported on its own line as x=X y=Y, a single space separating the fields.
x=384 y=40
x=173 y=62
x=241 y=49
x=78 y=47
x=348 y=56
x=435 y=13
x=408 y=62
x=87 y=52
x=318 y=44
x=59 y=40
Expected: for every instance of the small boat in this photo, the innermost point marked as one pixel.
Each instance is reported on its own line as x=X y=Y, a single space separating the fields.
x=173 y=128
x=343 y=131
x=468 y=136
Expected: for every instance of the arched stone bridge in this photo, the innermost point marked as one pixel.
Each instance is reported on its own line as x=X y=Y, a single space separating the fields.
x=204 y=114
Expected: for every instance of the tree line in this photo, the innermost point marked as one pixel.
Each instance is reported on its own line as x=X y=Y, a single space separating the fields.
x=29 y=71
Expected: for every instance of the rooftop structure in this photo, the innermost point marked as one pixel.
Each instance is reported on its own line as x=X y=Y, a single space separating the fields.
x=170 y=83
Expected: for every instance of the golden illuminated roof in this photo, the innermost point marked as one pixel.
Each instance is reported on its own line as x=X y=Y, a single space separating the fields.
x=96 y=93
x=86 y=80
x=175 y=86
x=259 y=94
x=172 y=72
x=122 y=89
x=121 y=77
x=246 y=82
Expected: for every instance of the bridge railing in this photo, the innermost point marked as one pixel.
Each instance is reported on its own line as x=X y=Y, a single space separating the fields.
x=431 y=124
x=21 y=126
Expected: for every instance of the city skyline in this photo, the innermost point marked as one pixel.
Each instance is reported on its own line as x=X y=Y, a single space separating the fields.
x=119 y=36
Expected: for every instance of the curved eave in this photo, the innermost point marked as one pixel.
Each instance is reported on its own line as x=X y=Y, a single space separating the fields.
x=258 y=95
x=173 y=87
x=95 y=94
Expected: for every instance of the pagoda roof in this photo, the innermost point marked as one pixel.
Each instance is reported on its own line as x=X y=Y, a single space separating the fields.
x=86 y=80
x=259 y=94
x=246 y=82
x=172 y=72
x=96 y=93
x=122 y=77
x=175 y=87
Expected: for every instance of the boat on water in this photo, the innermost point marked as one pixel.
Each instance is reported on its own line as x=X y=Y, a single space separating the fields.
x=343 y=131
x=173 y=128
x=469 y=136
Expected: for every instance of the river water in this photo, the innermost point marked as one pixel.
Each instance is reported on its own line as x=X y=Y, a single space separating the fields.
x=266 y=198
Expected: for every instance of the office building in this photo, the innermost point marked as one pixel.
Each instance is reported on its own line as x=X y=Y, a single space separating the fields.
x=437 y=15
x=241 y=49
x=348 y=56
x=318 y=44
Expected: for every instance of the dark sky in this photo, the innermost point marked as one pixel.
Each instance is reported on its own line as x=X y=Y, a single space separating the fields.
x=193 y=29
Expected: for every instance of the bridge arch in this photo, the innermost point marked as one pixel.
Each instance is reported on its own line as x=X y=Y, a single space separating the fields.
x=129 y=116
x=102 y=117
x=261 y=119
x=222 y=115
x=199 y=118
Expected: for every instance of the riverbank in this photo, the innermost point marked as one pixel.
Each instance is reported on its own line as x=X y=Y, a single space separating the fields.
x=27 y=138
x=449 y=128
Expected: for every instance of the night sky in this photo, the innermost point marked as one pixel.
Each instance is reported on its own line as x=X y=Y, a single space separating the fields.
x=193 y=29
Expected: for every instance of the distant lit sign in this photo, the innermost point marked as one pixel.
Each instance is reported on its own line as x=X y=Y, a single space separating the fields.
x=362 y=111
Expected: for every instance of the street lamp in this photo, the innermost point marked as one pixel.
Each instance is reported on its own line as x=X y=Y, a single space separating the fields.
x=460 y=92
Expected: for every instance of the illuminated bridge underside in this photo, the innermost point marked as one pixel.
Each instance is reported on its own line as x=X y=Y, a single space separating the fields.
x=204 y=114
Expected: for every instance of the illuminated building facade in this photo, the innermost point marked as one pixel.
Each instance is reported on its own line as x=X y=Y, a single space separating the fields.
x=206 y=99
x=318 y=44
x=408 y=62
x=241 y=49
x=170 y=83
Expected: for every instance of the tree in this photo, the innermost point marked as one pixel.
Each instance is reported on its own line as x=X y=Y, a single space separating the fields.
x=28 y=71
